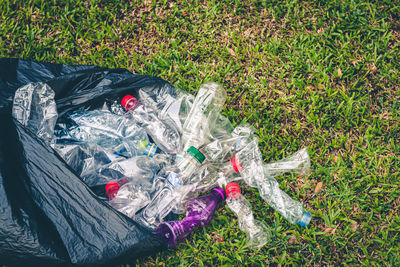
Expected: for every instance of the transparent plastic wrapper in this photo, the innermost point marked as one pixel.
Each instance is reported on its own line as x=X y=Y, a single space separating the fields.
x=199 y=213
x=257 y=234
x=203 y=115
x=35 y=108
x=175 y=177
x=165 y=136
x=109 y=131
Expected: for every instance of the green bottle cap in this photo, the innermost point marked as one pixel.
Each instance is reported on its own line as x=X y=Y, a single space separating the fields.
x=196 y=154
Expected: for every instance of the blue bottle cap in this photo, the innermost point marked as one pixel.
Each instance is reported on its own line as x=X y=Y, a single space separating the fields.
x=305 y=220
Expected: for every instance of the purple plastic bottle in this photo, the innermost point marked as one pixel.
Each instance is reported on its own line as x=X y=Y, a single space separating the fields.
x=199 y=213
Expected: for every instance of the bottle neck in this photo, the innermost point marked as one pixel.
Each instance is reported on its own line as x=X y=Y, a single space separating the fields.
x=186 y=160
x=234 y=195
x=219 y=193
x=132 y=104
x=305 y=219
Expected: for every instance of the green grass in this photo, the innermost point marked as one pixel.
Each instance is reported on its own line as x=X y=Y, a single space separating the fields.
x=321 y=74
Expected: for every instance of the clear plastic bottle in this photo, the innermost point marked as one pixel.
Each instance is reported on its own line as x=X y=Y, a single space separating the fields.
x=109 y=131
x=86 y=159
x=257 y=234
x=134 y=183
x=299 y=162
x=34 y=107
x=172 y=104
x=167 y=138
x=248 y=163
x=175 y=178
x=218 y=170
x=208 y=176
x=226 y=146
x=140 y=170
x=199 y=213
x=127 y=198
x=203 y=115
x=112 y=188
x=286 y=206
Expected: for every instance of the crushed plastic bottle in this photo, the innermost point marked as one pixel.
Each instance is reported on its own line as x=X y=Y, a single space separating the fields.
x=209 y=175
x=34 y=107
x=166 y=137
x=199 y=213
x=203 y=115
x=111 y=132
x=257 y=234
x=225 y=146
x=85 y=159
x=141 y=170
x=134 y=182
x=128 y=198
x=218 y=169
x=112 y=188
x=171 y=108
x=299 y=163
x=248 y=163
x=97 y=166
x=175 y=178
x=286 y=206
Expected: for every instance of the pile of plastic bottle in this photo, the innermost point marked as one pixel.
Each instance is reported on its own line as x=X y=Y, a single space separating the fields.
x=155 y=155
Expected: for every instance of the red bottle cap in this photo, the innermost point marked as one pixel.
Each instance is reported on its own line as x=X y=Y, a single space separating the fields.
x=126 y=99
x=112 y=188
x=232 y=187
x=236 y=164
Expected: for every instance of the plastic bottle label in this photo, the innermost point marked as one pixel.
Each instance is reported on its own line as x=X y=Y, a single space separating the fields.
x=174 y=179
x=150 y=150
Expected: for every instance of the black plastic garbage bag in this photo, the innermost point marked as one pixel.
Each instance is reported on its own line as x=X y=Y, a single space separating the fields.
x=47 y=214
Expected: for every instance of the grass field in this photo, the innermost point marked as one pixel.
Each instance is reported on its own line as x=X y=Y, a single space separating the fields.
x=321 y=74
